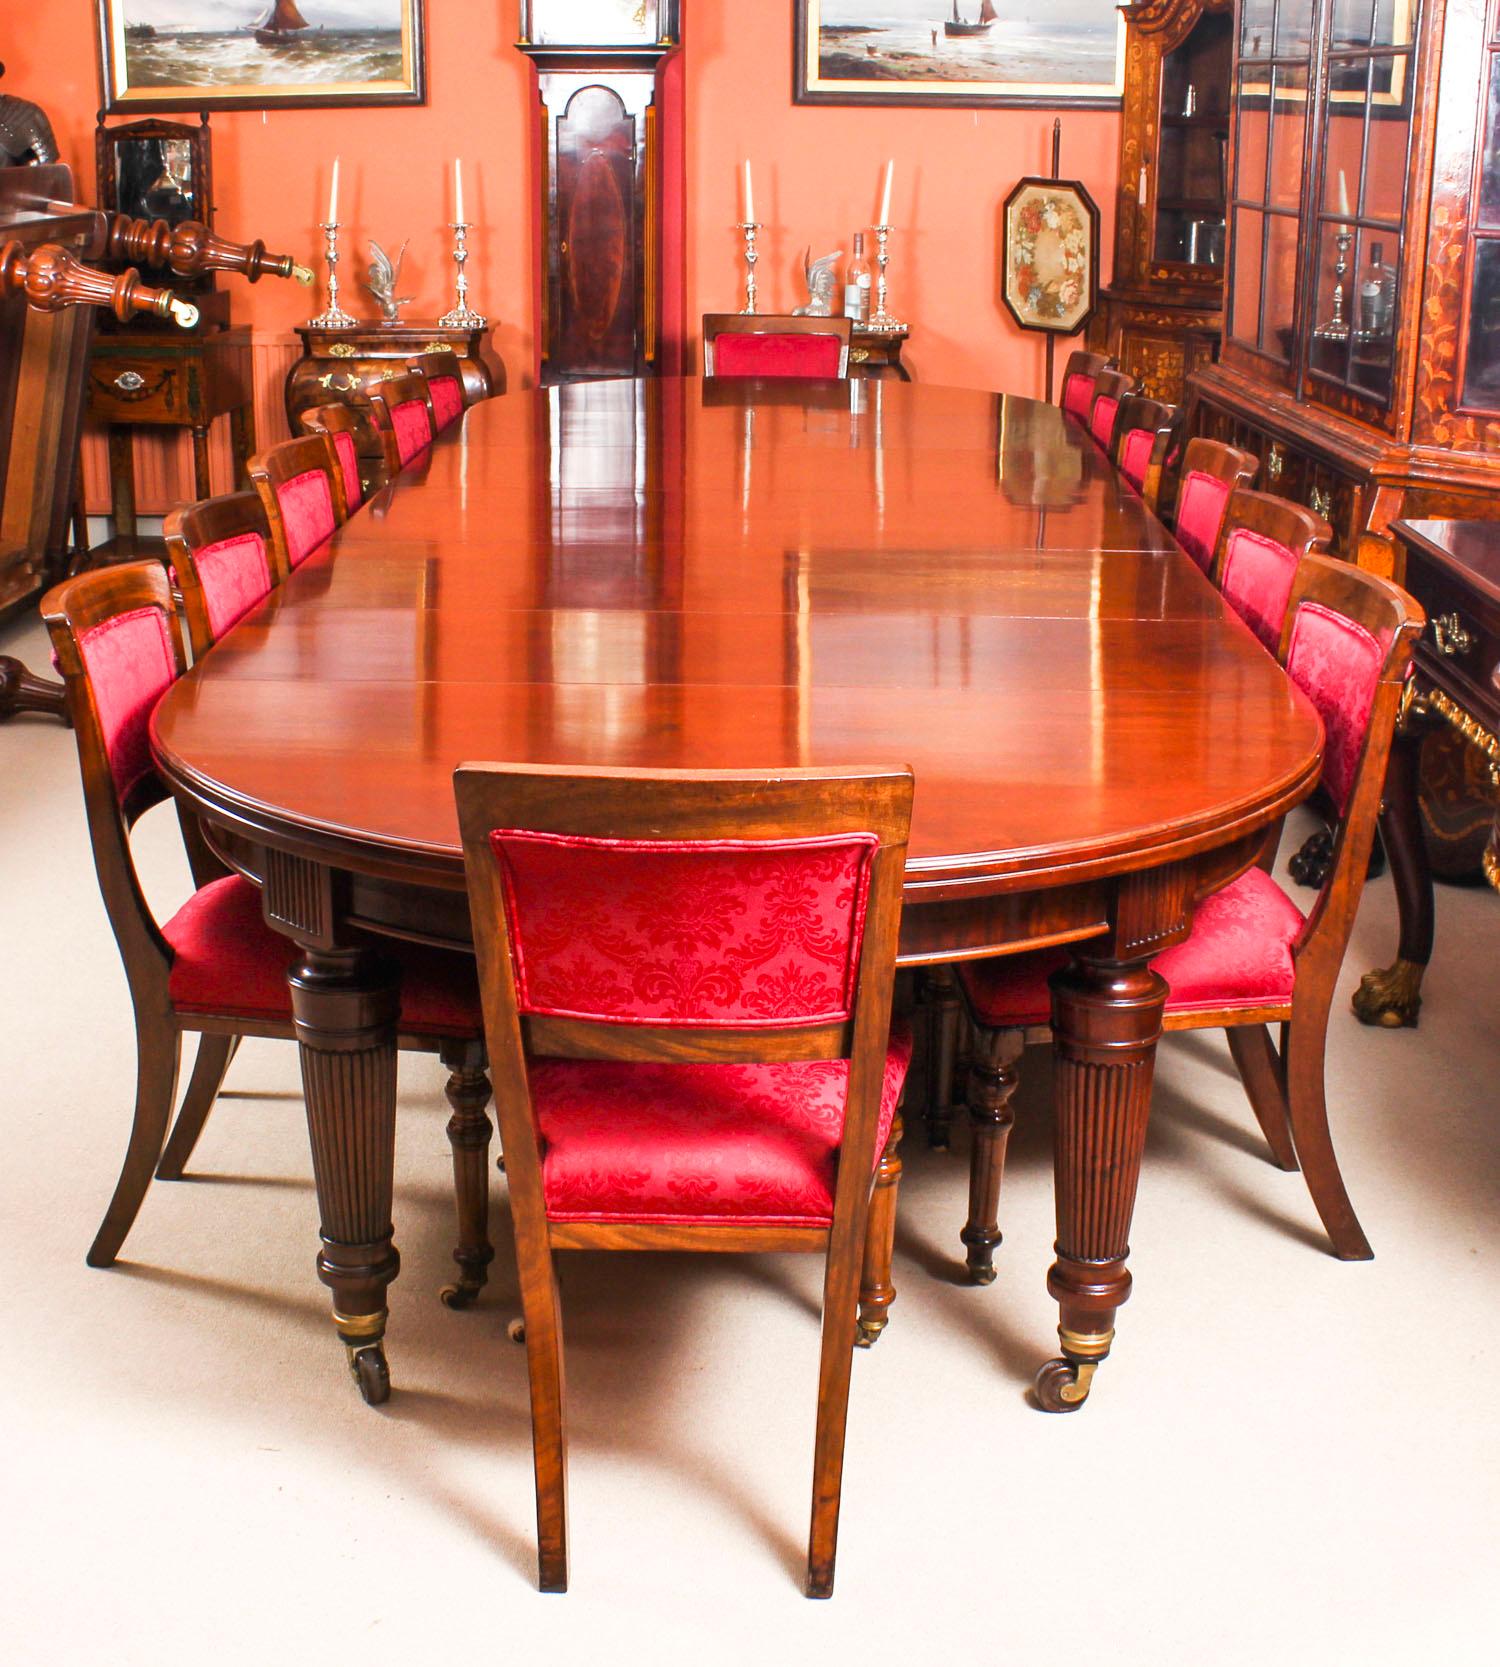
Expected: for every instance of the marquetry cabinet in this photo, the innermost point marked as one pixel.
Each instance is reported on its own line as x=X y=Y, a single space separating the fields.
x=1161 y=315
x=336 y=364
x=1361 y=359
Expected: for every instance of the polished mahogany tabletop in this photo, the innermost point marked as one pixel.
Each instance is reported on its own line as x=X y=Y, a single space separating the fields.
x=726 y=574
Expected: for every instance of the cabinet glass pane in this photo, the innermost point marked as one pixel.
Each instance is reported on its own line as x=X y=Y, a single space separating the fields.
x=1372 y=339
x=1244 y=300
x=1343 y=150
x=1279 y=303
x=1482 y=373
x=1395 y=21
x=1489 y=161
x=1257 y=27
x=1353 y=23
x=1252 y=135
x=1288 y=129
x=1385 y=168
x=1294 y=25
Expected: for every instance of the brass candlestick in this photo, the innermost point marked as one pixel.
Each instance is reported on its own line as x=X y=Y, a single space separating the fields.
x=333 y=316
x=880 y=319
x=750 y=228
x=461 y=316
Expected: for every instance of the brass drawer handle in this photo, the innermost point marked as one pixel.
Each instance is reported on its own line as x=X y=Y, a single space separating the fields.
x=1450 y=636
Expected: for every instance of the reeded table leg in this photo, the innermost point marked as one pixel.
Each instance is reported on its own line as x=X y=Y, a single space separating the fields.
x=345 y=1003
x=1106 y=1018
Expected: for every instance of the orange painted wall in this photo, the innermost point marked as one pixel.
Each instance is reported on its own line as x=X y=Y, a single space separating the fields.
x=817 y=173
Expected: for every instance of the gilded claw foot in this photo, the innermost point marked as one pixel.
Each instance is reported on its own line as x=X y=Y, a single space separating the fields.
x=1063 y=1385
x=1390 y=996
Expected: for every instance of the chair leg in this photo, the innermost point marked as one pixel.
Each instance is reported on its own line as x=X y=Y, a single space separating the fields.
x=876 y=1292
x=1308 y=1106
x=1261 y=1071
x=214 y=1055
x=158 y=1056
x=993 y=1076
x=549 y=1435
x=840 y=1292
x=469 y=1132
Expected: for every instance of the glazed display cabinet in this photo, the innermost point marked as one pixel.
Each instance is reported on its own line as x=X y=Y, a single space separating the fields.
x=1162 y=314
x=1360 y=359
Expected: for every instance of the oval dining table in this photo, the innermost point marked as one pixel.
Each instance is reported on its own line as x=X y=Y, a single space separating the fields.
x=753 y=575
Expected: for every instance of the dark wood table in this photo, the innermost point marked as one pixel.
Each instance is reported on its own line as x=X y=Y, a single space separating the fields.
x=697 y=574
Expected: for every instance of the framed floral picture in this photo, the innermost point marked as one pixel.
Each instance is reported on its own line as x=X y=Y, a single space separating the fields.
x=253 y=54
x=1049 y=266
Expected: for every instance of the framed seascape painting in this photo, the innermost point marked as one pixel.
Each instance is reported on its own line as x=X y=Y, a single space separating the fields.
x=1068 y=52
x=1050 y=261
x=251 y=54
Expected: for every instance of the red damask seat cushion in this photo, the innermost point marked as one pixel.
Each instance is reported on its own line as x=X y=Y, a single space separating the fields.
x=1336 y=663
x=698 y=1144
x=343 y=444
x=1102 y=419
x=130 y=664
x=235 y=574
x=1200 y=514
x=1078 y=396
x=413 y=429
x=447 y=399
x=226 y=960
x=777 y=355
x=1257 y=580
x=1239 y=954
x=1135 y=455
x=306 y=503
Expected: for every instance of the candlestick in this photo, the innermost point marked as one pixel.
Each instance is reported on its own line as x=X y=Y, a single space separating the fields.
x=461 y=316
x=749 y=219
x=749 y=228
x=885 y=195
x=880 y=319
x=1337 y=327
x=333 y=316
x=458 y=192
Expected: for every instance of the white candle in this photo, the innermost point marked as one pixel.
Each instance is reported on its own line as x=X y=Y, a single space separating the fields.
x=1140 y=190
x=885 y=195
x=458 y=191
x=333 y=196
x=1343 y=196
x=749 y=197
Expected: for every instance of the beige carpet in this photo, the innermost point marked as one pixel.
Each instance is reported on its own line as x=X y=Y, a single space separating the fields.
x=1288 y=1459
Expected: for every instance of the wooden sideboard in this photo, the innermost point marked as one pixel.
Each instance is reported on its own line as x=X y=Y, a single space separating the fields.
x=1453 y=570
x=335 y=364
x=877 y=353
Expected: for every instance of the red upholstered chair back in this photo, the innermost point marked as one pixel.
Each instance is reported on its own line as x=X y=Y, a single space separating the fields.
x=1210 y=472
x=1262 y=541
x=1110 y=388
x=356 y=445
x=762 y=344
x=1347 y=645
x=445 y=384
x=401 y=407
x=1144 y=430
x=681 y=917
x=220 y=550
x=1078 y=382
x=301 y=488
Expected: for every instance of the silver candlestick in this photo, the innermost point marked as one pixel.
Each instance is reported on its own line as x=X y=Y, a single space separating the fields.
x=750 y=228
x=461 y=317
x=1337 y=327
x=880 y=319
x=333 y=316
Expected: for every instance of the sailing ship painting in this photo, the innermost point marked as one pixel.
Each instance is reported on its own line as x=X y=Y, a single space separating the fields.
x=937 y=51
x=175 y=54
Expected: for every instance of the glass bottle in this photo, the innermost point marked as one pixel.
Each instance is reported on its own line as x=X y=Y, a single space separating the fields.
x=1375 y=295
x=857 y=283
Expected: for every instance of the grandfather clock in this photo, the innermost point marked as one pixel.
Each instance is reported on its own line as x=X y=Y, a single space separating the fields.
x=603 y=167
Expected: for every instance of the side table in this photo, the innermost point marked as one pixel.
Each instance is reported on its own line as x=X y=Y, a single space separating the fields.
x=335 y=364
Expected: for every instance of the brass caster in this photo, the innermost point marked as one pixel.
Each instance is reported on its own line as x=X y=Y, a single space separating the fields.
x=371 y=1373
x=869 y=1333
x=982 y=1275
x=516 y=1331
x=1063 y=1385
x=460 y=1295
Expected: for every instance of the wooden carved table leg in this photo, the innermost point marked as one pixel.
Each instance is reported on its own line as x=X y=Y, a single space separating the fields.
x=1391 y=996
x=1106 y=1018
x=469 y=1135
x=345 y=1004
x=24 y=691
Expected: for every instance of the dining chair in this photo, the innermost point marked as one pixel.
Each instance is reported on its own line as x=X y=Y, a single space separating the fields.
x=1078 y=379
x=772 y=344
x=358 y=447
x=1211 y=471
x=1110 y=387
x=301 y=488
x=215 y=967
x=1261 y=541
x=1145 y=430
x=687 y=983
x=401 y=409
x=1252 y=958
x=445 y=383
x=222 y=561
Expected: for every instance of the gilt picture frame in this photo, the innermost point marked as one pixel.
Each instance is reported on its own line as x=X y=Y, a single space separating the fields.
x=259 y=54
x=1049 y=260
x=958 y=52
